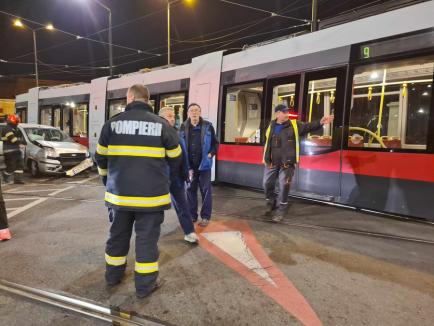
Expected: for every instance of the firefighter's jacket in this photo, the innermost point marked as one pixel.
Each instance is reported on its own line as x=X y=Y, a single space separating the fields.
x=11 y=139
x=133 y=151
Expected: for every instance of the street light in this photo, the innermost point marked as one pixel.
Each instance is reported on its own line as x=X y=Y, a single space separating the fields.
x=18 y=23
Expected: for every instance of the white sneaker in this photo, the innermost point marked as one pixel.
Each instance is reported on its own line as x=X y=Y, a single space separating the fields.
x=192 y=238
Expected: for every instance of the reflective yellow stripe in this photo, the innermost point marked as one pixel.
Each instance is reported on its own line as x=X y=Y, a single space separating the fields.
x=267 y=135
x=10 y=133
x=102 y=172
x=115 y=261
x=101 y=149
x=172 y=153
x=145 y=268
x=137 y=201
x=13 y=140
x=297 y=140
x=121 y=150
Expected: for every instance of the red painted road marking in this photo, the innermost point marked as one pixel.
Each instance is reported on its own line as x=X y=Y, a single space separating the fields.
x=234 y=243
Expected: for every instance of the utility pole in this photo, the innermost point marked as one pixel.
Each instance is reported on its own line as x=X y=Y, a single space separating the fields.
x=314 y=21
x=168 y=32
x=36 y=57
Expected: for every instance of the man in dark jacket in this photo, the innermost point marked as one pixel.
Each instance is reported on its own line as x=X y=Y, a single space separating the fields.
x=202 y=145
x=132 y=155
x=11 y=147
x=281 y=153
x=177 y=184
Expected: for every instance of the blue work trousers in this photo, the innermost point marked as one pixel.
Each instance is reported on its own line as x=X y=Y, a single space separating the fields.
x=202 y=180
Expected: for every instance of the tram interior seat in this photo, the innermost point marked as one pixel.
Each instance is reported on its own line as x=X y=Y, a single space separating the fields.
x=392 y=141
x=318 y=140
x=356 y=140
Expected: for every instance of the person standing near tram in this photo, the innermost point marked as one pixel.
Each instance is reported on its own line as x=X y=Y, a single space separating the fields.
x=281 y=154
x=132 y=155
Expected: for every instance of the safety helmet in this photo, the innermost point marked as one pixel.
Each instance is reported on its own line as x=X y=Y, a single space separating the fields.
x=13 y=119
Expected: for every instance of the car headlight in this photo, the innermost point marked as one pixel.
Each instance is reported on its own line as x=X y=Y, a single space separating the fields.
x=50 y=152
x=87 y=154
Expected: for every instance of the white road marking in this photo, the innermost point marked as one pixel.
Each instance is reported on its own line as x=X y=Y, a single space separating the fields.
x=18 y=199
x=84 y=181
x=12 y=208
x=37 y=201
x=27 y=191
x=58 y=191
x=232 y=243
x=26 y=207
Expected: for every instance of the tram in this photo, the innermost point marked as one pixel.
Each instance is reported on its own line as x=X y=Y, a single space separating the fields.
x=374 y=74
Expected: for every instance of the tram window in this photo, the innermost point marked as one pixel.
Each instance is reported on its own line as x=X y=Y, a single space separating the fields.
x=22 y=113
x=321 y=99
x=285 y=94
x=79 y=120
x=46 y=116
x=391 y=104
x=116 y=107
x=243 y=113
x=57 y=121
x=175 y=101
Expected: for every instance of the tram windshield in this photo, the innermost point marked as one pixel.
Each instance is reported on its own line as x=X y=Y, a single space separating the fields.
x=391 y=104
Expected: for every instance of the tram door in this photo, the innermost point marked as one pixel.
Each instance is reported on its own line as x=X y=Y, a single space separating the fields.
x=319 y=172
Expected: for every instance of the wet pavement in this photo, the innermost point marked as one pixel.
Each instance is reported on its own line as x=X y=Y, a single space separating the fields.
x=312 y=269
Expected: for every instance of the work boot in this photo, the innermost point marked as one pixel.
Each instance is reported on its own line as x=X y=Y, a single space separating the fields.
x=281 y=213
x=6 y=178
x=18 y=180
x=158 y=284
x=5 y=234
x=270 y=206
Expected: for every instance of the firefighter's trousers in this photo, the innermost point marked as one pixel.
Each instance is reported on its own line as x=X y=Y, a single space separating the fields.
x=147 y=227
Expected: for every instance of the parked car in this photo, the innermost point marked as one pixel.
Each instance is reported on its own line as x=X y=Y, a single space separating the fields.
x=49 y=150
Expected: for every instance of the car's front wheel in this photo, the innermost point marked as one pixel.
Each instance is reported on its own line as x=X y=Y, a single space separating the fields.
x=34 y=168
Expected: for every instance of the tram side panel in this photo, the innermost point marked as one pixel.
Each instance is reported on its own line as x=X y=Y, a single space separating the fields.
x=97 y=110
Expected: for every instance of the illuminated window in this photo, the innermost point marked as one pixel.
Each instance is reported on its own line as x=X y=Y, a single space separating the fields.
x=391 y=104
x=175 y=101
x=243 y=113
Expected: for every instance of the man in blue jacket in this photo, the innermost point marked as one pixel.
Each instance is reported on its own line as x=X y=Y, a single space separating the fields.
x=177 y=184
x=201 y=142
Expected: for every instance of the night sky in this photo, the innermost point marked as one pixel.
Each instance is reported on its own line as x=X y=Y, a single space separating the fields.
x=203 y=23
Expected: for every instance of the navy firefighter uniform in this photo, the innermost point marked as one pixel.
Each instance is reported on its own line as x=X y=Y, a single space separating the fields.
x=132 y=154
x=11 y=147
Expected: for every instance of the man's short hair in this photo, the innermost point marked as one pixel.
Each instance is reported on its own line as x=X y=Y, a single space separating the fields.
x=165 y=109
x=193 y=104
x=140 y=92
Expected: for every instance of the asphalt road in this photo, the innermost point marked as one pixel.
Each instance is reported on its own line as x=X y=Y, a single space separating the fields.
x=245 y=272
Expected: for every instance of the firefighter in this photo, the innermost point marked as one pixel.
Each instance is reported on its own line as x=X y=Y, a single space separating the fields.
x=281 y=154
x=177 y=184
x=132 y=154
x=5 y=233
x=12 y=152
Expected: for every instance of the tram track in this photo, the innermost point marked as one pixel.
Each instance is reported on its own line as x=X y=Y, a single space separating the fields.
x=113 y=315
x=263 y=220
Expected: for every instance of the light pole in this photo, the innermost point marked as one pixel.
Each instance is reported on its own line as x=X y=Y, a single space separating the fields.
x=50 y=27
x=168 y=32
x=189 y=2
x=109 y=35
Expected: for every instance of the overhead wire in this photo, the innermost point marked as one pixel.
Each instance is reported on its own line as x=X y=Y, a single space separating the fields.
x=217 y=43
x=272 y=13
x=81 y=37
x=50 y=64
